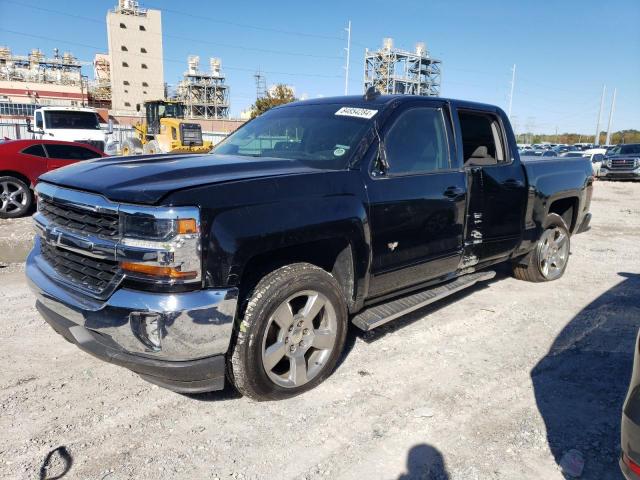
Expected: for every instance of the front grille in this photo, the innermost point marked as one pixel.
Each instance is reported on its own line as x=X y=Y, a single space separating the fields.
x=623 y=163
x=94 y=143
x=88 y=273
x=104 y=225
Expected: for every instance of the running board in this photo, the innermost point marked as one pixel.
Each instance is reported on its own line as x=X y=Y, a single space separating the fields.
x=380 y=314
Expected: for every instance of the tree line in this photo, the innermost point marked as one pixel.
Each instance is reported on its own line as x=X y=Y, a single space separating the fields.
x=621 y=136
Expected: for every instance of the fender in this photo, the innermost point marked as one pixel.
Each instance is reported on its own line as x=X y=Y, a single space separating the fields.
x=270 y=214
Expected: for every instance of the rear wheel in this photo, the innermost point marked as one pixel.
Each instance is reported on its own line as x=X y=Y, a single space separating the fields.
x=549 y=259
x=291 y=335
x=15 y=197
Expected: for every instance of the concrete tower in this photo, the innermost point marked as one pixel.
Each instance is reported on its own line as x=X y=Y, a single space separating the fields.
x=135 y=50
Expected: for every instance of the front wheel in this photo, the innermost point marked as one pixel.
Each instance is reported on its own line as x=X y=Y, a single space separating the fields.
x=15 y=197
x=549 y=259
x=291 y=335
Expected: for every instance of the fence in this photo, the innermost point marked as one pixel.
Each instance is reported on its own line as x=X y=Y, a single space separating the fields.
x=16 y=129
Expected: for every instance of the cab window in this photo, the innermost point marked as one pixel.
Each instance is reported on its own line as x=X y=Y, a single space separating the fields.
x=417 y=142
x=70 y=152
x=482 y=140
x=35 y=150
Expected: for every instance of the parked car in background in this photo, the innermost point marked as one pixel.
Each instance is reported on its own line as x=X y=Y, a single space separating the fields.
x=622 y=162
x=23 y=161
x=571 y=154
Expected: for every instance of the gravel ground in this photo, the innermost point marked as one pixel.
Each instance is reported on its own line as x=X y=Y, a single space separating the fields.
x=499 y=382
x=15 y=239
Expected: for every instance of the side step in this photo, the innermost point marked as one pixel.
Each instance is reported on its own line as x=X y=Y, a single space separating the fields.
x=380 y=314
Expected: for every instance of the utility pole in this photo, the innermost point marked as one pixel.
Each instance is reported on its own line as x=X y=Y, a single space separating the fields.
x=346 y=68
x=596 y=141
x=513 y=83
x=613 y=106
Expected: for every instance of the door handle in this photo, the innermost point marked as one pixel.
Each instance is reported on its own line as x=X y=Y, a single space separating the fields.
x=512 y=183
x=453 y=192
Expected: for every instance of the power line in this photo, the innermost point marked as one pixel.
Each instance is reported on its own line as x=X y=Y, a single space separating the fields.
x=99 y=49
x=244 y=25
x=179 y=37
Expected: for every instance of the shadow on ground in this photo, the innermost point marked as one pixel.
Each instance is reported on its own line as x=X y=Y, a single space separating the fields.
x=581 y=383
x=425 y=462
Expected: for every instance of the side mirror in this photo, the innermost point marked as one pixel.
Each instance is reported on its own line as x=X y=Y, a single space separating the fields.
x=29 y=127
x=110 y=127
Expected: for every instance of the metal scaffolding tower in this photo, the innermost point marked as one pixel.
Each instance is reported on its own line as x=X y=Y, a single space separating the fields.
x=394 y=71
x=261 y=84
x=205 y=95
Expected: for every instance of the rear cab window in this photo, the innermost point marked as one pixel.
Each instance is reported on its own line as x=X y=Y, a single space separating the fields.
x=482 y=138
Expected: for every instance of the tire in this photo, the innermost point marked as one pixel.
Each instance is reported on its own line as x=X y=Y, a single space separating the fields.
x=548 y=261
x=152 y=147
x=277 y=342
x=16 y=198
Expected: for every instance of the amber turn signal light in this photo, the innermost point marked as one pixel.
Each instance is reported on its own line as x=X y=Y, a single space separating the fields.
x=155 y=271
x=187 y=225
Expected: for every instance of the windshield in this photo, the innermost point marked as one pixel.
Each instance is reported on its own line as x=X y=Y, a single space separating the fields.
x=170 y=110
x=311 y=133
x=71 y=120
x=625 y=149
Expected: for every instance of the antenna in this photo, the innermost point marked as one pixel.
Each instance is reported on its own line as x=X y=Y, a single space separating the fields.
x=513 y=83
x=346 y=68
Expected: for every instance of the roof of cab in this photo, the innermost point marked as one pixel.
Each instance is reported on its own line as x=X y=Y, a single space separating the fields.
x=382 y=101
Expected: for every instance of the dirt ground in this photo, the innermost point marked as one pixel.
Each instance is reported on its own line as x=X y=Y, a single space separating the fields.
x=498 y=382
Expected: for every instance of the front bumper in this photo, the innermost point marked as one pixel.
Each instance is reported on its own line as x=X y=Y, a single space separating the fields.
x=194 y=329
x=619 y=174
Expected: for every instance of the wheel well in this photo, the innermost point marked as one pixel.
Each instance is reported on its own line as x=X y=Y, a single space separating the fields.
x=9 y=173
x=332 y=255
x=567 y=209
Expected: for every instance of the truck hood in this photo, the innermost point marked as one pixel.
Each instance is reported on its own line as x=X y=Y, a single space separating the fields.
x=147 y=179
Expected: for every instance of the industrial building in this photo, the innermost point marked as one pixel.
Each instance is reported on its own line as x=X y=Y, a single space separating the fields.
x=135 y=55
x=394 y=71
x=204 y=94
x=29 y=81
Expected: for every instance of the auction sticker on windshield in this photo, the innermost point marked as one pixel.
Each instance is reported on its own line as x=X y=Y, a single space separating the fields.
x=356 y=112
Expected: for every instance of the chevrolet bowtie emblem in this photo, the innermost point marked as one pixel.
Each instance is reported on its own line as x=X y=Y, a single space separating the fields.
x=392 y=245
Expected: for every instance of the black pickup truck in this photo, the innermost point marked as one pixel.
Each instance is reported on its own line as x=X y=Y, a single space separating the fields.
x=251 y=262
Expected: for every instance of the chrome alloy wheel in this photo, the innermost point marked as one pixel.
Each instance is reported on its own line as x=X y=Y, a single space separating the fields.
x=553 y=253
x=13 y=197
x=299 y=339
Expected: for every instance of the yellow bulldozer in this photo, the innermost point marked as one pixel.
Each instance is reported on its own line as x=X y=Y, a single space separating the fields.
x=164 y=131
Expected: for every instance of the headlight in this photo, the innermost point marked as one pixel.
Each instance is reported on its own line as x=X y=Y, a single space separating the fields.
x=161 y=245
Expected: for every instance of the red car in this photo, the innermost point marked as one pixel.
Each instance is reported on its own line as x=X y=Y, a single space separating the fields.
x=23 y=161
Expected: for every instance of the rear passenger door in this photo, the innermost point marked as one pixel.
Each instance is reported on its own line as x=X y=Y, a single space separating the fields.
x=417 y=204
x=497 y=186
x=61 y=154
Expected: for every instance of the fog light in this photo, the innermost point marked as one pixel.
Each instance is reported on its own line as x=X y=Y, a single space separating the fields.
x=147 y=327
